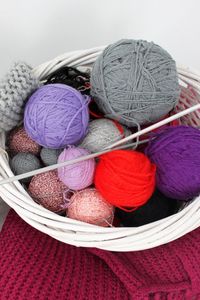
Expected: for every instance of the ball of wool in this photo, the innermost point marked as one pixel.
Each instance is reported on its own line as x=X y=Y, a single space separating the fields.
x=176 y=153
x=49 y=156
x=24 y=162
x=102 y=133
x=157 y=207
x=19 y=141
x=125 y=178
x=89 y=206
x=15 y=88
x=56 y=115
x=135 y=82
x=79 y=175
x=47 y=190
x=188 y=97
x=147 y=136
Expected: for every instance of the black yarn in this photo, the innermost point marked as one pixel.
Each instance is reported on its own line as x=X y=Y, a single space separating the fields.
x=158 y=207
x=72 y=77
x=78 y=80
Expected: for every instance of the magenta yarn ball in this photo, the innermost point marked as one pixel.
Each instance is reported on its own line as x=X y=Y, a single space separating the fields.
x=79 y=175
x=56 y=115
x=47 y=190
x=89 y=206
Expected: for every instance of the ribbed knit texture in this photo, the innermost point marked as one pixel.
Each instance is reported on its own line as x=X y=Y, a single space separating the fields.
x=35 y=266
x=15 y=88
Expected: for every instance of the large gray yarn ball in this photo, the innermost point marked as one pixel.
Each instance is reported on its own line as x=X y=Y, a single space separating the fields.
x=102 y=133
x=24 y=162
x=49 y=156
x=135 y=82
x=15 y=88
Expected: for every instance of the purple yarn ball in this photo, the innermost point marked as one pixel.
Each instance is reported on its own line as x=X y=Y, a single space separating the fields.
x=79 y=175
x=176 y=153
x=56 y=115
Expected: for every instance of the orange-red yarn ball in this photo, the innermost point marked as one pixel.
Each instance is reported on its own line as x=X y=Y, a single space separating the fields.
x=125 y=178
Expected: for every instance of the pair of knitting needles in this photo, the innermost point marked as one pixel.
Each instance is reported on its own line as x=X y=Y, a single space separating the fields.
x=115 y=146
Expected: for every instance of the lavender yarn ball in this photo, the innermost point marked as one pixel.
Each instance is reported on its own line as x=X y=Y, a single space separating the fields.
x=24 y=162
x=102 y=133
x=56 y=115
x=50 y=156
x=176 y=153
x=79 y=175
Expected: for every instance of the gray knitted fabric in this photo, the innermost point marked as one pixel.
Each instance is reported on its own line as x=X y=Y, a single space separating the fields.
x=24 y=162
x=49 y=156
x=15 y=88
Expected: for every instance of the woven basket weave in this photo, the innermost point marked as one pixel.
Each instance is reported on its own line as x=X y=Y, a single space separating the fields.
x=82 y=234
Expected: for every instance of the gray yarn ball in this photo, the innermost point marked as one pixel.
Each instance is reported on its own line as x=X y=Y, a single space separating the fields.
x=135 y=82
x=102 y=133
x=24 y=162
x=50 y=156
x=15 y=88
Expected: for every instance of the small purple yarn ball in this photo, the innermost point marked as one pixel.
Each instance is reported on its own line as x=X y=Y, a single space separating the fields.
x=56 y=115
x=79 y=175
x=176 y=153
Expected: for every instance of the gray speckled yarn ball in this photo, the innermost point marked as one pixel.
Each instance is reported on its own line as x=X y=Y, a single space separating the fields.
x=135 y=82
x=49 y=156
x=24 y=162
x=15 y=88
x=102 y=133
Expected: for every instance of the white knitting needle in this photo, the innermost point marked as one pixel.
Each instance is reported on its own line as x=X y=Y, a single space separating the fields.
x=155 y=126
x=66 y=163
x=108 y=149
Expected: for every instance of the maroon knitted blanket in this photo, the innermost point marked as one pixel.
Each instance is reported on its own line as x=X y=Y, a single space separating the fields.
x=35 y=266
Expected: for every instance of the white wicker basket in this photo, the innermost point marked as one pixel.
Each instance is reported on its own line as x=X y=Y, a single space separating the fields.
x=82 y=234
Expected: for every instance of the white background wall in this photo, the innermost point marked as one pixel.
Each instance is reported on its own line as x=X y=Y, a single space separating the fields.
x=37 y=30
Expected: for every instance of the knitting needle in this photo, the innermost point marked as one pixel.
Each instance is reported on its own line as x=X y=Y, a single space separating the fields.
x=108 y=149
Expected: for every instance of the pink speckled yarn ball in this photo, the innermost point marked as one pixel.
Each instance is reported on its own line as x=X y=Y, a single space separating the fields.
x=47 y=190
x=19 y=141
x=77 y=176
x=89 y=206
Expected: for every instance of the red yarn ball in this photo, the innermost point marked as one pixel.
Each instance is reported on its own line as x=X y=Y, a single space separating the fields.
x=19 y=141
x=125 y=178
x=47 y=190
